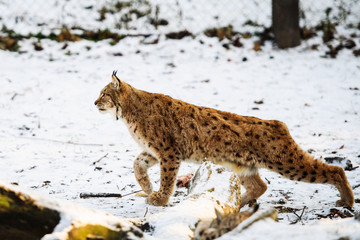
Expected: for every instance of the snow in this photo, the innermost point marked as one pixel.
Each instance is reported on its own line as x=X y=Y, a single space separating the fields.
x=322 y=230
x=179 y=222
x=51 y=133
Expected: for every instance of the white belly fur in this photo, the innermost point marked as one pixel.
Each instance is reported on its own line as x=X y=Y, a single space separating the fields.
x=241 y=171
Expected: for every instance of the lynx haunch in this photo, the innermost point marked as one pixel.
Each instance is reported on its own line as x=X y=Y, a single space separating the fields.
x=170 y=131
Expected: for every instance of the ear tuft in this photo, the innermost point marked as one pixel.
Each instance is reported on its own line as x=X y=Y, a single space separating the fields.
x=219 y=216
x=256 y=207
x=115 y=80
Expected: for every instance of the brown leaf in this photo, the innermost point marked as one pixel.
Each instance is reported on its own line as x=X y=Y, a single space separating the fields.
x=38 y=47
x=356 y=52
x=8 y=44
x=310 y=150
x=66 y=35
x=257 y=46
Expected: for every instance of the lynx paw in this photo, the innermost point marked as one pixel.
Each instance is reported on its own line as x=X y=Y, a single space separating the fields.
x=342 y=203
x=157 y=199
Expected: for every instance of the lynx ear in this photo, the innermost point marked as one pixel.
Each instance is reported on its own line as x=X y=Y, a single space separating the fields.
x=219 y=216
x=115 y=80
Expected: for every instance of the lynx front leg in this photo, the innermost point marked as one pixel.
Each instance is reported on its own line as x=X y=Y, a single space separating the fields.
x=169 y=169
x=141 y=165
x=255 y=187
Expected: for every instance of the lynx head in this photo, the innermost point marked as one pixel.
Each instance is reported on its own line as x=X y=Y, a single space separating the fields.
x=109 y=100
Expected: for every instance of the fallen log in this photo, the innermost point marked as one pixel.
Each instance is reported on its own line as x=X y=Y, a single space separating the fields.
x=25 y=215
x=22 y=218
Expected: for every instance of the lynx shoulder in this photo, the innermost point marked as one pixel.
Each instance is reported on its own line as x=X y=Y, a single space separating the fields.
x=170 y=131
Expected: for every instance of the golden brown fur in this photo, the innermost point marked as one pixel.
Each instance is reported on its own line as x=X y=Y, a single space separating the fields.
x=171 y=131
x=226 y=222
x=223 y=223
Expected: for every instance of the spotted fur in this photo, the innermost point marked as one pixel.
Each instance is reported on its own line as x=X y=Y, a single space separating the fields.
x=170 y=131
x=213 y=228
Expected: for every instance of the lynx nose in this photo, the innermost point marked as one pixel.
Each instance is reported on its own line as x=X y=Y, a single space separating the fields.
x=96 y=102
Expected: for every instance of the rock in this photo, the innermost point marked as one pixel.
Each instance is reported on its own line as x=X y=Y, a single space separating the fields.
x=349 y=44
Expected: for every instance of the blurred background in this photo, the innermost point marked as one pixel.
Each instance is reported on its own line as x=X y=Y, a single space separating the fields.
x=112 y=19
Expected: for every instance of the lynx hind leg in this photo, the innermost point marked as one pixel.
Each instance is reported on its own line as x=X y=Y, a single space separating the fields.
x=324 y=173
x=341 y=183
x=308 y=169
x=141 y=164
x=255 y=187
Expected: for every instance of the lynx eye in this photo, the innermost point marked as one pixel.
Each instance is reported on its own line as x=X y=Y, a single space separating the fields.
x=102 y=95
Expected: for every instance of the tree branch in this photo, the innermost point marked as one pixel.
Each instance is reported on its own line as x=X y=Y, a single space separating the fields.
x=105 y=195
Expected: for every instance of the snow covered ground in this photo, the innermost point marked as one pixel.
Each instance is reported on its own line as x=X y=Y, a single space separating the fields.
x=54 y=141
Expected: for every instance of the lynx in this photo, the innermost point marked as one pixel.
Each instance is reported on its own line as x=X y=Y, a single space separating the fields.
x=223 y=223
x=220 y=225
x=170 y=131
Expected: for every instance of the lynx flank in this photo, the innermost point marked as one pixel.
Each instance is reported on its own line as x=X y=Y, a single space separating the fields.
x=170 y=131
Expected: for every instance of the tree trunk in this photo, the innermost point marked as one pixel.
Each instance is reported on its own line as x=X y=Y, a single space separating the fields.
x=285 y=22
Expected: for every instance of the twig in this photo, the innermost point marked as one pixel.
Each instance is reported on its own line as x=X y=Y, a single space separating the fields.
x=147 y=209
x=132 y=193
x=100 y=159
x=267 y=180
x=14 y=96
x=98 y=195
x=356 y=186
x=104 y=195
x=299 y=217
